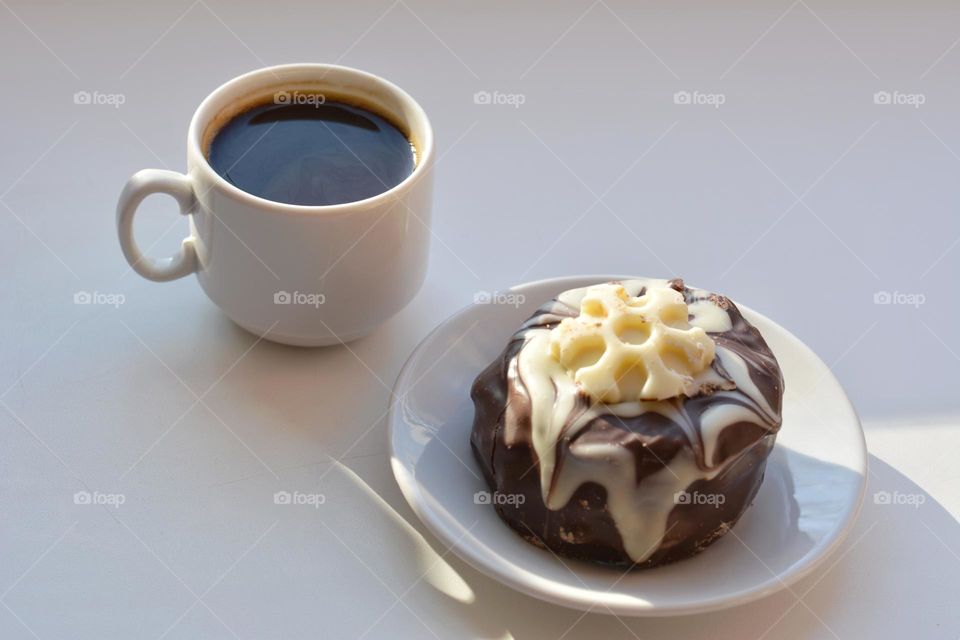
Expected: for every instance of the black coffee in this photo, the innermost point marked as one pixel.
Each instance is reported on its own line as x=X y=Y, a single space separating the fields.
x=312 y=154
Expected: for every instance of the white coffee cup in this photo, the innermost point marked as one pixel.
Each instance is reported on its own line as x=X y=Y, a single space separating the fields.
x=301 y=275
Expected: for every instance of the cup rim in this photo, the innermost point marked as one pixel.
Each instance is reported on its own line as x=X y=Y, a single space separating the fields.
x=198 y=127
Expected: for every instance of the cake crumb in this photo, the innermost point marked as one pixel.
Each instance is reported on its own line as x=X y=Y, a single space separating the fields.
x=721 y=301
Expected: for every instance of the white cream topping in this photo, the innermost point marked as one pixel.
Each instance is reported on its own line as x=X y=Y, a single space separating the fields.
x=622 y=348
x=706 y=314
x=639 y=509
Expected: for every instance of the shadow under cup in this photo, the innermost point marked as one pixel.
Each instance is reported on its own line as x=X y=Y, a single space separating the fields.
x=310 y=275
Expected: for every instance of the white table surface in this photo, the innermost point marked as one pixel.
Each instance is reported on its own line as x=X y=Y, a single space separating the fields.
x=798 y=196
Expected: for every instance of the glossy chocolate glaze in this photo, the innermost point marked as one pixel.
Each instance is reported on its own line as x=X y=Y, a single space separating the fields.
x=583 y=527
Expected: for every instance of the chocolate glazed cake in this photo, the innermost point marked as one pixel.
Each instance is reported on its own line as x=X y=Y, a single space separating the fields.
x=628 y=423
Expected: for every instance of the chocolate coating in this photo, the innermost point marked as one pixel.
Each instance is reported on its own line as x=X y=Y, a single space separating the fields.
x=584 y=528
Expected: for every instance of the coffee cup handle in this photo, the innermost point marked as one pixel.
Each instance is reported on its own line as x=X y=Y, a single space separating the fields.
x=139 y=186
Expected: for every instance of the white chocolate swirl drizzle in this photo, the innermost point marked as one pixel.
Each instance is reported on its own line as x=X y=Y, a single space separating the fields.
x=557 y=410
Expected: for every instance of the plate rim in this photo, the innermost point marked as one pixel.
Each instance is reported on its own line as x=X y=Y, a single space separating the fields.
x=578 y=597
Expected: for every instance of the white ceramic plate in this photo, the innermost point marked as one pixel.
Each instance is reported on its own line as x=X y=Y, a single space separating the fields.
x=814 y=483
